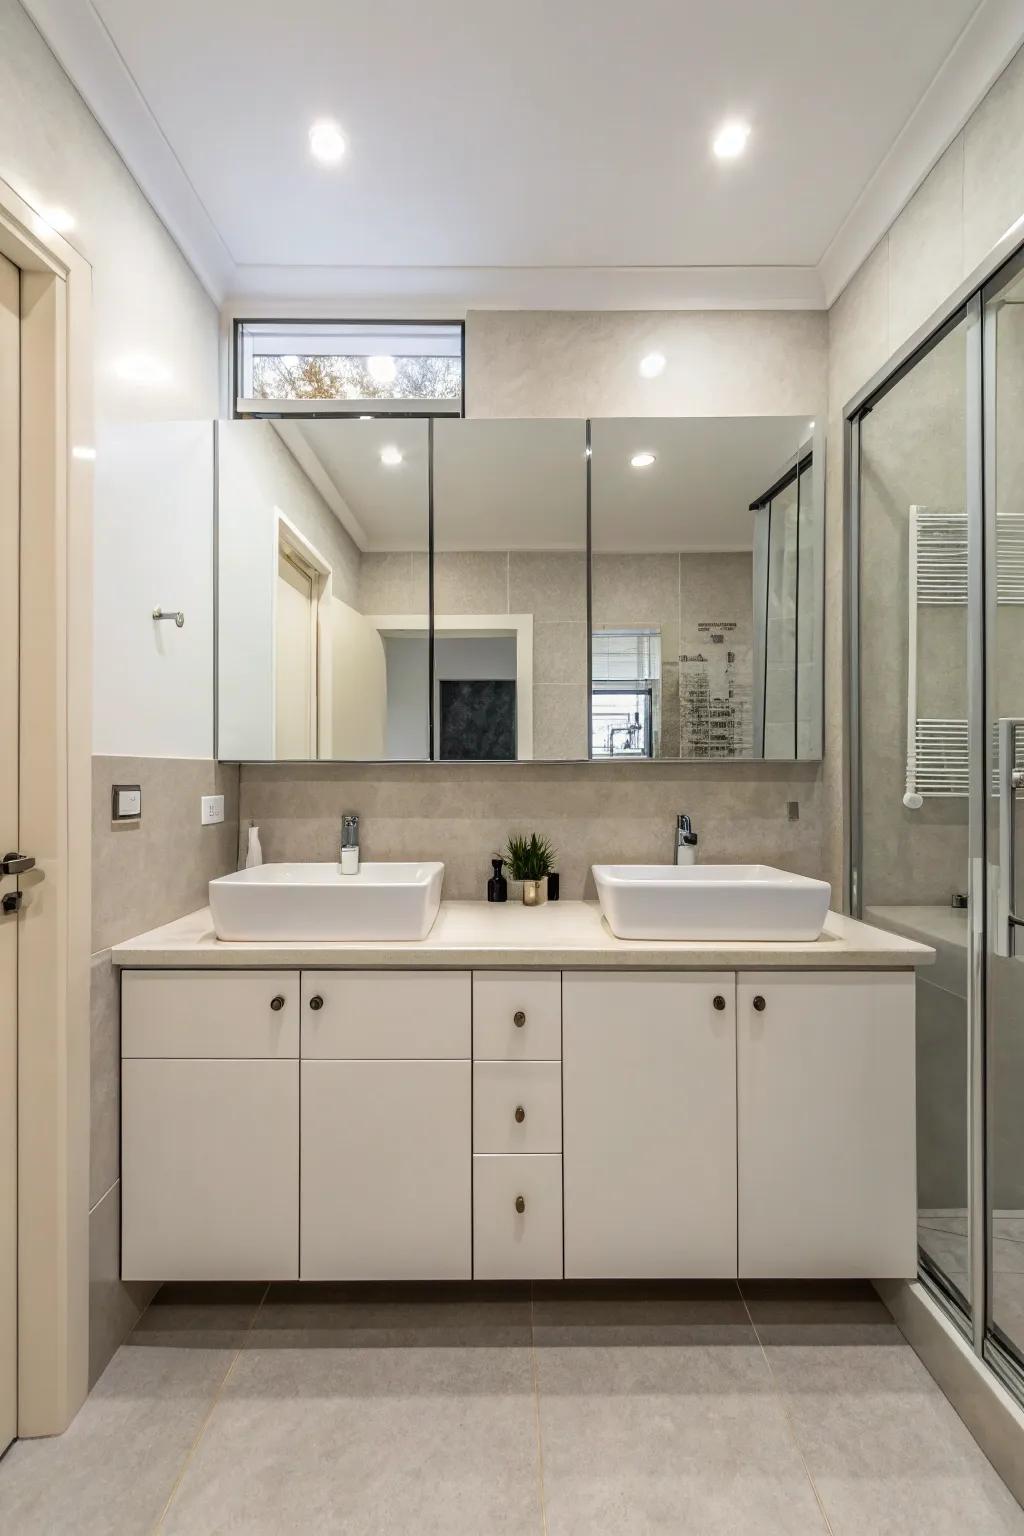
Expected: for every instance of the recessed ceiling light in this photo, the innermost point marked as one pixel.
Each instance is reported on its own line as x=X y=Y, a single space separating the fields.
x=326 y=142
x=731 y=140
x=652 y=365
x=642 y=460
x=391 y=456
x=382 y=369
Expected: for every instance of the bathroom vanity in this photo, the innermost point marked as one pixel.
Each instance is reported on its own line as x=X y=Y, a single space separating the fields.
x=520 y=1095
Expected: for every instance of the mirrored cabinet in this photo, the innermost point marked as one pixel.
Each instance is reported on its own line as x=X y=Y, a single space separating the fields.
x=404 y=590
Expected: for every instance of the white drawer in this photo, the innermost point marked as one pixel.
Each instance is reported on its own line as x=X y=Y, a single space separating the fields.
x=510 y=1243
x=210 y=1013
x=517 y=1106
x=517 y=1015
x=386 y=1015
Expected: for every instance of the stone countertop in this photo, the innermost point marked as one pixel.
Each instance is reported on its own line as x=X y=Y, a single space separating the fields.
x=560 y=935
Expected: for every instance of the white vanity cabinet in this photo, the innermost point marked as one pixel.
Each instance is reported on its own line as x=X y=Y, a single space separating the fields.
x=386 y=1126
x=826 y=1150
x=650 y=1124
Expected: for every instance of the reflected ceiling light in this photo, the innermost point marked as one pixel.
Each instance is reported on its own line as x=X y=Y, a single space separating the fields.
x=326 y=142
x=382 y=369
x=642 y=460
x=139 y=368
x=391 y=456
x=810 y=426
x=366 y=418
x=83 y=453
x=731 y=140
x=652 y=365
x=59 y=219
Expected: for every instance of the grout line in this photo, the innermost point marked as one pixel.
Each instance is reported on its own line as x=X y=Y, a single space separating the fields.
x=193 y=1448
x=535 y=1375
x=787 y=1415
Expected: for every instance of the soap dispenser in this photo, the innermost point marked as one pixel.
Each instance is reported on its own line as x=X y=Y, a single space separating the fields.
x=497 y=885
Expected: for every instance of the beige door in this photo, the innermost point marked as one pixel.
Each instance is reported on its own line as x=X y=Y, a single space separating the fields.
x=295 y=688
x=9 y=477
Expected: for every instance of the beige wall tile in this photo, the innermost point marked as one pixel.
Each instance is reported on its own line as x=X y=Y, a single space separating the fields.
x=146 y=873
x=393 y=583
x=114 y=1307
x=105 y=1078
x=470 y=581
x=560 y=653
x=994 y=165
x=926 y=246
x=548 y=584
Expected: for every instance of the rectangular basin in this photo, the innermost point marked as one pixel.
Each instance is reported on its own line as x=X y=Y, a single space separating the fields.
x=316 y=901
x=710 y=901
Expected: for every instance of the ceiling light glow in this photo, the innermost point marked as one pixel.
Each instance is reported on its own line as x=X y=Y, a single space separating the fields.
x=382 y=369
x=642 y=460
x=390 y=456
x=652 y=365
x=731 y=140
x=59 y=219
x=326 y=142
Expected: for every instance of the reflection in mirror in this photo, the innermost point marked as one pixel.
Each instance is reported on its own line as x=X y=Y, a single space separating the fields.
x=323 y=591
x=510 y=590
x=706 y=588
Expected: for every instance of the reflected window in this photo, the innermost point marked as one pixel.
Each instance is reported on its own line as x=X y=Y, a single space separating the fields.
x=348 y=368
x=626 y=692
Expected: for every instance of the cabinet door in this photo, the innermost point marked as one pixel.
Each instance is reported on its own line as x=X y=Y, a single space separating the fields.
x=386 y=1170
x=649 y=1124
x=827 y=1180
x=210 y=1170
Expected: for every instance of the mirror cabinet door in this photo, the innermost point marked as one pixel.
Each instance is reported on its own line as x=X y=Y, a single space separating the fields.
x=510 y=590
x=323 y=590
x=700 y=531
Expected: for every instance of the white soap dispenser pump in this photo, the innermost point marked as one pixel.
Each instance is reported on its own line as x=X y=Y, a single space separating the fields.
x=254 y=853
x=686 y=841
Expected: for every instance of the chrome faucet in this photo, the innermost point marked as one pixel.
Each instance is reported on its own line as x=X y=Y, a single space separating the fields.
x=349 y=852
x=686 y=841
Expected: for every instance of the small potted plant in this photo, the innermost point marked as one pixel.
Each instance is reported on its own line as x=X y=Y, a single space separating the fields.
x=530 y=859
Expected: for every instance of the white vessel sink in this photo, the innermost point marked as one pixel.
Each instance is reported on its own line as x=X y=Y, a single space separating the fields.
x=316 y=901
x=710 y=901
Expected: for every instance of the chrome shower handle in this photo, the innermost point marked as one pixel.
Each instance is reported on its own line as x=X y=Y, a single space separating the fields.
x=1010 y=780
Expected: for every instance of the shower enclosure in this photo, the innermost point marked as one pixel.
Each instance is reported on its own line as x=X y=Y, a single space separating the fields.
x=935 y=556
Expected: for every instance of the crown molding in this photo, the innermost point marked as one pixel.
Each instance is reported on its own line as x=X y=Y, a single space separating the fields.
x=77 y=36
x=979 y=56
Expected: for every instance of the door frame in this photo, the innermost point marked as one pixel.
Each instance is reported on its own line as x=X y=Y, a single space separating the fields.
x=54 y=817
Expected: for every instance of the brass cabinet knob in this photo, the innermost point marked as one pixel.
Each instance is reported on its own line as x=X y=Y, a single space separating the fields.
x=519 y=1018
x=719 y=1002
x=520 y=1114
x=316 y=1003
x=277 y=1003
x=520 y=1204
x=759 y=1003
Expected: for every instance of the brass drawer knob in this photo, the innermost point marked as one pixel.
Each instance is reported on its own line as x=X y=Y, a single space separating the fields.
x=759 y=1003
x=520 y=1204
x=520 y=1114
x=277 y=1003
x=316 y=1003
x=719 y=1002
x=519 y=1018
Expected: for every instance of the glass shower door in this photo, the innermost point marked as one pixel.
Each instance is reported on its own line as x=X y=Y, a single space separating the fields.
x=1004 y=540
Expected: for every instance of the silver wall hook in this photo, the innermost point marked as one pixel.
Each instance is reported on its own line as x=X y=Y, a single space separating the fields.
x=178 y=617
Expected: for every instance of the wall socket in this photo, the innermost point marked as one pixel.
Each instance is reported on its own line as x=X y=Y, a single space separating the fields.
x=211 y=810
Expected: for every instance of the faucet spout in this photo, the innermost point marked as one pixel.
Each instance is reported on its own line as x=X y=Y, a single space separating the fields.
x=349 y=852
x=686 y=841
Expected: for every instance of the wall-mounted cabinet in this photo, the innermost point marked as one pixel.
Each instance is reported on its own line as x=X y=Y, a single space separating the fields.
x=503 y=1125
x=524 y=590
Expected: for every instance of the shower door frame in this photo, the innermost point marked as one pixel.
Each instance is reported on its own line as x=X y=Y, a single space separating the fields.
x=965 y=306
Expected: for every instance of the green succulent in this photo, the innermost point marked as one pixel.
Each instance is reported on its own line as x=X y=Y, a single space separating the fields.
x=528 y=858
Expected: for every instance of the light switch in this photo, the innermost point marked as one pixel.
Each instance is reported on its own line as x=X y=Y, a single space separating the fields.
x=126 y=802
x=211 y=810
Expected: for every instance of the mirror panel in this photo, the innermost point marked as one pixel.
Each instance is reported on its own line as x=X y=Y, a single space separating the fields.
x=323 y=590
x=706 y=586
x=510 y=590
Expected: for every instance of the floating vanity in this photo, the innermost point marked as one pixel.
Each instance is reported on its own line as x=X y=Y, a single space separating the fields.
x=519 y=1095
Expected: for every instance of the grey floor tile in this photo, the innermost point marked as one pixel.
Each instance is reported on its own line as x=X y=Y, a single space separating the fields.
x=409 y=1442
x=887 y=1452
x=452 y=1315
x=113 y=1470
x=599 y=1312
x=206 y=1316
x=679 y=1439
x=818 y=1312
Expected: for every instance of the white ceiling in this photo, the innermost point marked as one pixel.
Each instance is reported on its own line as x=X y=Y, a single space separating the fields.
x=535 y=152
